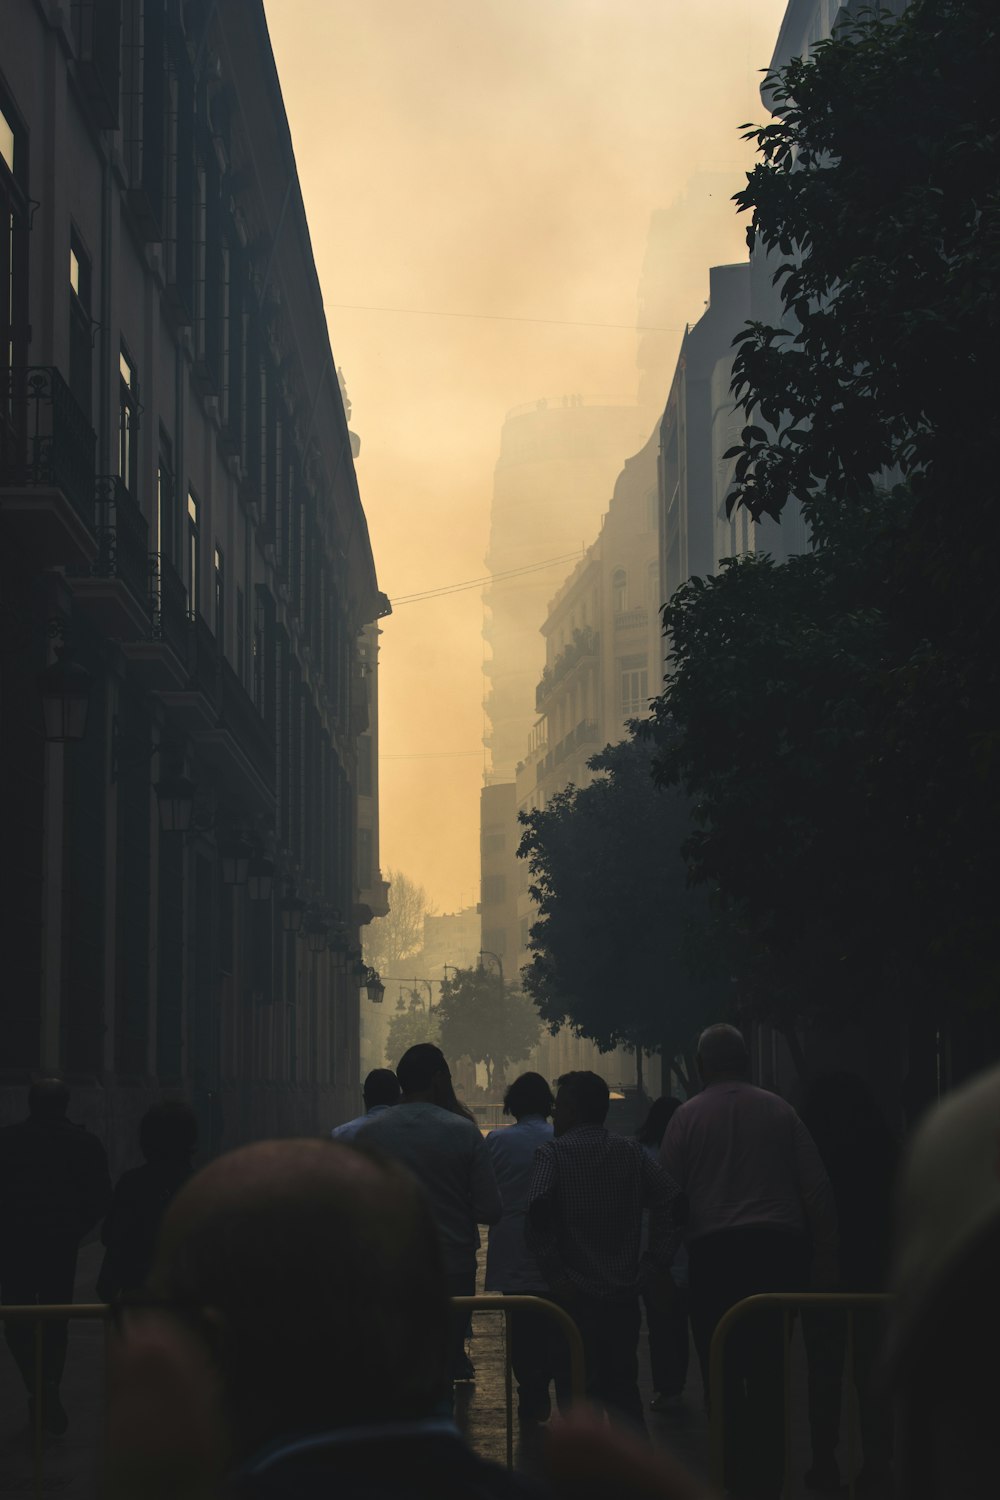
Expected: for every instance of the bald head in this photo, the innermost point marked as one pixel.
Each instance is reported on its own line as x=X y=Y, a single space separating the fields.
x=320 y=1265
x=722 y=1054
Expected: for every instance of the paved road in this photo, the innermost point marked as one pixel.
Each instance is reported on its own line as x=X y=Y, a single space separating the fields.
x=71 y=1462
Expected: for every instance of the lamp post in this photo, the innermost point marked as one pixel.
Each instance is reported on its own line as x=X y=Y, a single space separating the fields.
x=485 y=953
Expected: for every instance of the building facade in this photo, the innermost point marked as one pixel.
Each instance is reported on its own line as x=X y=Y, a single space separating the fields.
x=183 y=550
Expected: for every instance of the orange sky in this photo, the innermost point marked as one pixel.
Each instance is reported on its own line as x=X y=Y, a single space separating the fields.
x=493 y=157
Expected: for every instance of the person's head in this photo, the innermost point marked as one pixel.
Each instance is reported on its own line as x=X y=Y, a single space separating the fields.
x=168 y=1134
x=528 y=1095
x=48 y=1100
x=654 y=1126
x=380 y=1087
x=319 y=1272
x=581 y=1099
x=722 y=1054
x=425 y=1076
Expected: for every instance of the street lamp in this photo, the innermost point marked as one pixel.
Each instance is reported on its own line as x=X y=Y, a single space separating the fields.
x=65 y=689
x=235 y=862
x=175 y=801
x=374 y=986
x=292 y=911
x=485 y=953
x=316 y=932
x=260 y=878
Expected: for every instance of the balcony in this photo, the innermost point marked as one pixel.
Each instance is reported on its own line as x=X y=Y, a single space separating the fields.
x=240 y=744
x=161 y=659
x=47 y=465
x=582 y=648
x=114 y=589
x=632 y=619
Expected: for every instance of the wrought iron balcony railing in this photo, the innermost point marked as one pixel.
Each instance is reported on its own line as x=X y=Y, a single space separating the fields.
x=122 y=536
x=167 y=605
x=46 y=441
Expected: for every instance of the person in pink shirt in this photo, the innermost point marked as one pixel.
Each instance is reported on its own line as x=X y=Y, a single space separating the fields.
x=760 y=1218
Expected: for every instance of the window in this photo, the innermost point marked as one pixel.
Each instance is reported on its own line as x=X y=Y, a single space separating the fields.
x=13 y=237
x=493 y=843
x=365 y=843
x=619 y=591
x=634 y=686
x=219 y=596
x=128 y=422
x=80 y=344
x=193 y=550
x=165 y=493
x=365 y=767
x=653 y=585
x=494 y=889
x=495 y=942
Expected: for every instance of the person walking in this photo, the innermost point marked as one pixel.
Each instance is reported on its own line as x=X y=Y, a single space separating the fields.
x=536 y=1353
x=168 y=1134
x=380 y=1092
x=761 y=1218
x=446 y=1152
x=54 y=1187
x=666 y=1321
x=586 y=1200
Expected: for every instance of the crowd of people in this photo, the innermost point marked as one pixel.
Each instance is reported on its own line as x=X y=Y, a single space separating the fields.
x=285 y=1316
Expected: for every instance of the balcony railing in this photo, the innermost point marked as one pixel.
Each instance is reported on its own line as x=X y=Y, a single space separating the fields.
x=632 y=619
x=245 y=725
x=585 y=644
x=46 y=441
x=122 y=536
x=168 y=605
x=203 y=659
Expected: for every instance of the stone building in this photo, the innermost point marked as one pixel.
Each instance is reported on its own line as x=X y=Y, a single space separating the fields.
x=184 y=559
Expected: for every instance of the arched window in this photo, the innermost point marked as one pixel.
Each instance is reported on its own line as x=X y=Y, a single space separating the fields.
x=619 y=591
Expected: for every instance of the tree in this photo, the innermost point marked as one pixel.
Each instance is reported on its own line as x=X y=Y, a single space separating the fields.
x=835 y=719
x=412 y=1024
x=620 y=946
x=486 y=1020
x=389 y=941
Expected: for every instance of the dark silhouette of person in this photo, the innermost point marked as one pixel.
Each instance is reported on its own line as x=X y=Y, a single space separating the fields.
x=586 y=1201
x=429 y=1132
x=861 y=1156
x=666 y=1320
x=54 y=1187
x=380 y=1092
x=761 y=1217
x=168 y=1134
x=323 y=1356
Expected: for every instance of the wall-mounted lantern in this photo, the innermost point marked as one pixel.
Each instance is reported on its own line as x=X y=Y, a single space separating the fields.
x=65 y=689
x=260 y=878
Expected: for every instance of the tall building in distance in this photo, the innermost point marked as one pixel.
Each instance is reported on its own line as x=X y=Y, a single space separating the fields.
x=557 y=464
x=189 y=597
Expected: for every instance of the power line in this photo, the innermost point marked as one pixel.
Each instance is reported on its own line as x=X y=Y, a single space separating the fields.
x=429 y=754
x=475 y=583
x=434 y=312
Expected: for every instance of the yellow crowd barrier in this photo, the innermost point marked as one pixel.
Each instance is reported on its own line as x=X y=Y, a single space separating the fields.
x=789 y=1303
x=101 y=1312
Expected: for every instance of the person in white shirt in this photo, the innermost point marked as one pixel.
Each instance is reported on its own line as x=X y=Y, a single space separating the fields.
x=380 y=1092
x=510 y=1266
x=761 y=1217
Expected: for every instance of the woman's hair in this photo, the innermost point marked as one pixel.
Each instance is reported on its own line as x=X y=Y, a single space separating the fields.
x=528 y=1095
x=168 y=1132
x=654 y=1126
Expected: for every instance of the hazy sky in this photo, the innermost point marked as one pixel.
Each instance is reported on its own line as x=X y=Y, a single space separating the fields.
x=498 y=158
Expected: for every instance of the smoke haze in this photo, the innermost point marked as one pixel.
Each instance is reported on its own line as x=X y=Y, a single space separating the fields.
x=495 y=157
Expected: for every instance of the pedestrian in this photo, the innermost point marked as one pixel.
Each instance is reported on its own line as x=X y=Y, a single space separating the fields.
x=448 y=1155
x=666 y=1321
x=54 y=1187
x=761 y=1218
x=586 y=1200
x=168 y=1134
x=537 y=1354
x=380 y=1092
x=860 y=1154
x=322 y=1357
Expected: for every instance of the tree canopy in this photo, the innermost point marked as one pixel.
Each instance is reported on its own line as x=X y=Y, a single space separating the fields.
x=389 y=941
x=412 y=1024
x=620 y=950
x=486 y=1019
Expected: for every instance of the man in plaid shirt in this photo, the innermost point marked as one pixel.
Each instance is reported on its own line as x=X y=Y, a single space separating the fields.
x=588 y=1191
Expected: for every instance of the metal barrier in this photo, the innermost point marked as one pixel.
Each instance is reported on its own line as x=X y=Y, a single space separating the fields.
x=512 y=1304
x=789 y=1303
x=101 y=1312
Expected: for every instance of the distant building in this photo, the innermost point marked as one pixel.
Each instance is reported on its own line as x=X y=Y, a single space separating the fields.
x=557 y=463
x=180 y=518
